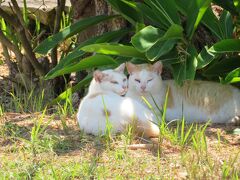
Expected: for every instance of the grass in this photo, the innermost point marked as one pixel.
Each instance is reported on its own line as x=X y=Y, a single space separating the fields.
x=36 y=144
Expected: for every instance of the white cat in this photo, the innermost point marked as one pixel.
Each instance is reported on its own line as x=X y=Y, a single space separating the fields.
x=197 y=101
x=103 y=102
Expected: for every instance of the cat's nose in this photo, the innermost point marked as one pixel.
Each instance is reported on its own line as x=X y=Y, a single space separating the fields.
x=143 y=87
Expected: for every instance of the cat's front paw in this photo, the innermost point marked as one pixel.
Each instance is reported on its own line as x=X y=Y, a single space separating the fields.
x=235 y=121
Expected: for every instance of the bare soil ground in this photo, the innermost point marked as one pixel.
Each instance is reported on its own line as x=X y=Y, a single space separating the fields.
x=70 y=146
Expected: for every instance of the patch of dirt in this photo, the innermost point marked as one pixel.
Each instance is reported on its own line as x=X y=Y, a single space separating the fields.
x=75 y=147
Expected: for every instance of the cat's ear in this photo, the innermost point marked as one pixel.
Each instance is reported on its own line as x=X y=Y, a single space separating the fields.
x=130 y=67
x=98 y=75
x=157 y=67
x=120 y=68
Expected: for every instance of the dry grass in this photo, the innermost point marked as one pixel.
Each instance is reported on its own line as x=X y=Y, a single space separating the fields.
x=68 y=153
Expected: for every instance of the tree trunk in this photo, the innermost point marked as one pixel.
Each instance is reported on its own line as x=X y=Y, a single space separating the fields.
x=86 y=8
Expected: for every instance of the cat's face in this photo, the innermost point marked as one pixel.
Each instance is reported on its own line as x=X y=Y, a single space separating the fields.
x=144 y=78
x=113 y=80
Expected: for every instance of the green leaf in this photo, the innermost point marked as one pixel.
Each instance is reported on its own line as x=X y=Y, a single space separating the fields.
x=87 y=63
x=203 y=6
x=225 y=46
x=204 y=58
x=232 y=77
x=222 y=66
x=64 y=95
x=69 y=31
x=196 y=10
x=170 y=58
x=149 y=15
x=148 y=36
x=191 y=63
x=226 y=24
x=108 y=36
x=128 y=10
x=179 y=72
x=113 y=49
x=186 y=68
x=72 y=57
x=160 y=48
x=174 y=32
x=222 y=28
x=212 y=23
x=165 y=12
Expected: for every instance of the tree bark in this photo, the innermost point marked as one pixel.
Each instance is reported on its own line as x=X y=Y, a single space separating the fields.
x=86 y=8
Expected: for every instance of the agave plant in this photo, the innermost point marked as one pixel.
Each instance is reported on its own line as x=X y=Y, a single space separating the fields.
x=162 y=30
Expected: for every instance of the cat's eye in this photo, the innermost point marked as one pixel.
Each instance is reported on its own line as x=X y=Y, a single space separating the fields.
x=114 y=82
x=137 y=80
x=150 y=80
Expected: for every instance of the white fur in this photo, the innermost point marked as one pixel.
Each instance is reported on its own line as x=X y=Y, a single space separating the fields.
x=192 y=113
x=153 y=88
x=104 y=96
x=181 y=106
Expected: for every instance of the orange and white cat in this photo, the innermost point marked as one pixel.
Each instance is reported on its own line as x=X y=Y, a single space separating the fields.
x=103 y=101
x=196 y=101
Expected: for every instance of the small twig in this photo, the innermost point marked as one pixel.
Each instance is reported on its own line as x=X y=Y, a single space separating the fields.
x=140 y=146
x=42 y=33
x=143 y=139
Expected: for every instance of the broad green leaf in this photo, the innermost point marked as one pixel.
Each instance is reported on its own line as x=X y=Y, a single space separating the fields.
x=170 y=58
x=74 y=56
x=222 y=66
x=222 y=28
x=191 y=63
x=186 y=68
x=203 y=6
x=174 y=32
x=106 y=37
x=194 y=11
x=69 y=31
x=225 y=46
x=160 y=48
x=71 y=90
x=147 y=37
x=128 y=10
x=232 y=77
x=113 y=49
x=179 y=72
x=212 y=23
x=165 y=12
x=204 y=58
x=226 y=24
x=86 y=63
x=149 y=15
